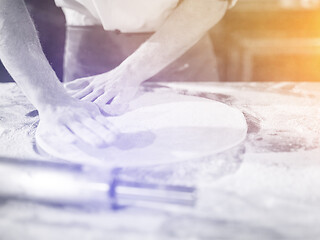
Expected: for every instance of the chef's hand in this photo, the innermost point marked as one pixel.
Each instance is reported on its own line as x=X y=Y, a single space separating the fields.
x=111 y=91
x=72 y=120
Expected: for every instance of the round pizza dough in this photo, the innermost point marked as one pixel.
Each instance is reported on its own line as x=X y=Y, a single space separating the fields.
x=159 y=128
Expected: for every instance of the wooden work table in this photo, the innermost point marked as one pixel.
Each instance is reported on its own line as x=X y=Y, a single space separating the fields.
x=266 y=188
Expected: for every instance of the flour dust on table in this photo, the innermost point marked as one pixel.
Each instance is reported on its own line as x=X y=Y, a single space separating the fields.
x=159 y=128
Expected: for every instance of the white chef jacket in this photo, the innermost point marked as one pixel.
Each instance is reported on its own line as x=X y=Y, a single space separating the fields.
x=123 y=15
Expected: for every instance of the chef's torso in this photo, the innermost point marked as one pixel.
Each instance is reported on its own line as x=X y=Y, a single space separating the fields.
x=123 y=15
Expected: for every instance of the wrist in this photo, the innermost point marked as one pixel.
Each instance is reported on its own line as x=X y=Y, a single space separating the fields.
x=49 y=97
x=39 y=82
x=128 y=71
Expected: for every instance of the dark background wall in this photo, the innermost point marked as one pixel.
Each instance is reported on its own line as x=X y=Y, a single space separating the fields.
x=50 y=22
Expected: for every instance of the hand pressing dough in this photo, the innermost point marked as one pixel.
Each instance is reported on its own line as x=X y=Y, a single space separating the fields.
x=159 y=128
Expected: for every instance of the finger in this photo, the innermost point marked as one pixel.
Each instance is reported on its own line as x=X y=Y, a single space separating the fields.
x=100 y=129
x=115 y=109
x=71 y=92
x=105 y=98
x=77 y=84
x=92 y=96
x=66 y=135
x=82 y=93
x=86 y=134
x=104 y=121
x=120 y=103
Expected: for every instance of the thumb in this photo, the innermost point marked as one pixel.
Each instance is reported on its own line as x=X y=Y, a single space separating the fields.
x=77 y=84
x=115 y=109
x=120 y=103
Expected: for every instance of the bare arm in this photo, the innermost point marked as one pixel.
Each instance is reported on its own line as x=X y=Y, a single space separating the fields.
x=183 y=28
x=21 y=54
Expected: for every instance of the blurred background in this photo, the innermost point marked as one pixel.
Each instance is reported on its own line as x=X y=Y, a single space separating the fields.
x=258 y=40
x=270 y=40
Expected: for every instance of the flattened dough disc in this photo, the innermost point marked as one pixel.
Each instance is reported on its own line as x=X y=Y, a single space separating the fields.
x=159 y=128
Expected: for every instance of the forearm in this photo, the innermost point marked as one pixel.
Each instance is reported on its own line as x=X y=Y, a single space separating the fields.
x=21 y=54
x=185 y=26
